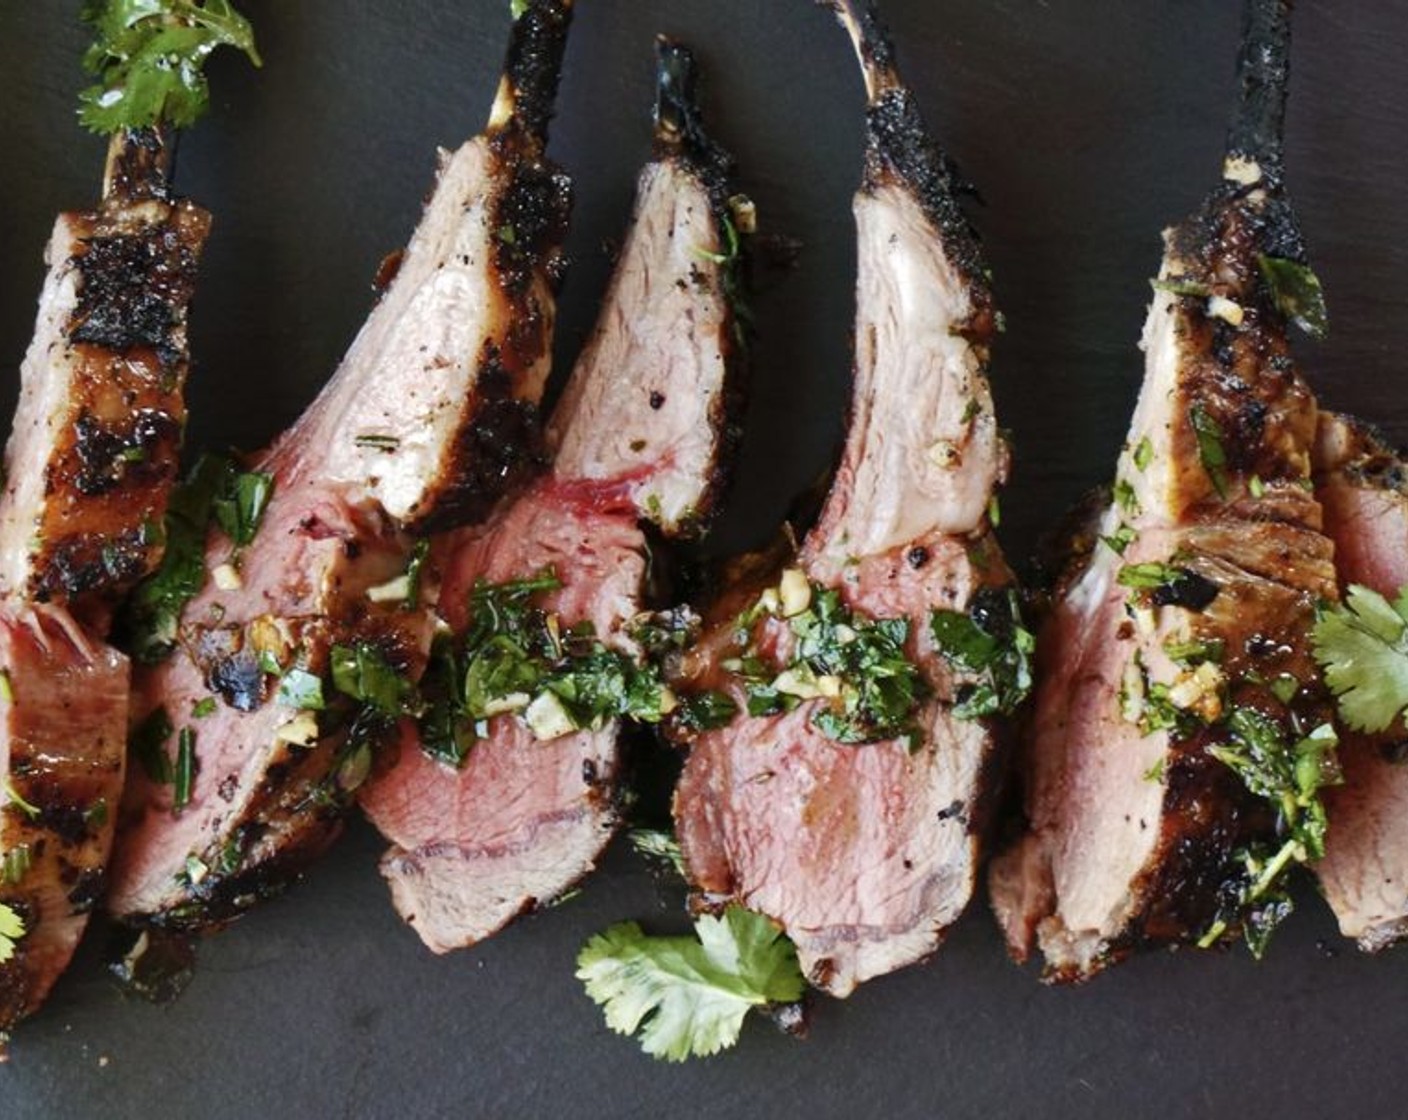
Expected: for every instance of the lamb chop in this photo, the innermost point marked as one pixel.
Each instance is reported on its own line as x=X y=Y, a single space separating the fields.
x=296 y=658
x=1362 y=483
x=1180 y=735
x=487 y=824
x=848 y=802
x=89 y=468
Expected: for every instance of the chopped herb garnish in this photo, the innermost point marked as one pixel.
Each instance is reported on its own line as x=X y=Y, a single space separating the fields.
x=375 y=442
x=239 y=508
x=660 y=846
x=688 y=996
x=1155 y=773
x=856 y=664
x=215 y=492
x=1211 y=453
x=1297 y=294
x=1125 y=498
x=1256 y=487
x=988 y=642
x=1178 y=286
x=203 y=708
x=1290 y=773
x=184 y=776
x=148 y=744
x=361 y=672
x=1120 y=539
x=7 y=688
x=301 y=689
x=1196 y=651
x=149 y=59
x=413 y=569
x=11 y=931
x=12 y=797
x=1143 y=454
x=1167 y=585
x=704 y=711
x=16 y=864
x=518 y=659
x=994 y=511
x=1362 y=644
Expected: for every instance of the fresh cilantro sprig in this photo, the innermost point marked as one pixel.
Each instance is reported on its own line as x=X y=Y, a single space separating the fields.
x=688 y=996
x=11 y=930
x=149 y=60
x=1362 y=644
x=1296 y=292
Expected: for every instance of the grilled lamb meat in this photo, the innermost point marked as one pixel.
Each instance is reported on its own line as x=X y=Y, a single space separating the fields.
x=1362 y=483
x=866 y=851
x=63 y=721
x=89 y=466
x=96 y=438
x=292 y=663
x=640 y=435
x=1174 y=673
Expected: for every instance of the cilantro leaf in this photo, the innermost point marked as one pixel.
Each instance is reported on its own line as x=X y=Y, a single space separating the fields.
x=149 y=58
x=1362 y=644
x=687 y=996
x=990 y=643
x=11 y=930
x=1297 y=293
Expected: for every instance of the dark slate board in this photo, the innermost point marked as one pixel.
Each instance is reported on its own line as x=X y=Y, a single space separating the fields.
x=1088 y=124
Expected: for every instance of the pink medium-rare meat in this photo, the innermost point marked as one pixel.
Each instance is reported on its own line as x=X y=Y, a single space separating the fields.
x=520 y=820
x=1364 y=875
x=96 y=438
x=63 y=728
x=641 y=434
x=431 y=417
x=866 y=851
x=1174 y=673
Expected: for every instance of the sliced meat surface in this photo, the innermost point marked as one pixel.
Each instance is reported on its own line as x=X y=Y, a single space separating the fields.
x=1182 y=641
x=641 y=434
x=63 y=729
x=867 y=852
x=1360 y=481
x=96 y=440
x=432 y=416
x=521 y=820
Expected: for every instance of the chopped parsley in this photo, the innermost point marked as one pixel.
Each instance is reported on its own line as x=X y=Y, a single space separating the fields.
x=1296 y=292
x=361 y=672
x=518 y=659
x=1211 y=452
x=1125 y=497
x=216 y=492
x=857 y=665
x=203 y=708
x=1120 y=539
x=990 y=643
x=1290 y=773
x=1143 y=454
x=1156 y=584
x=149 y=58
x=688 y=996
x=1362 y=645
x=11 y=931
